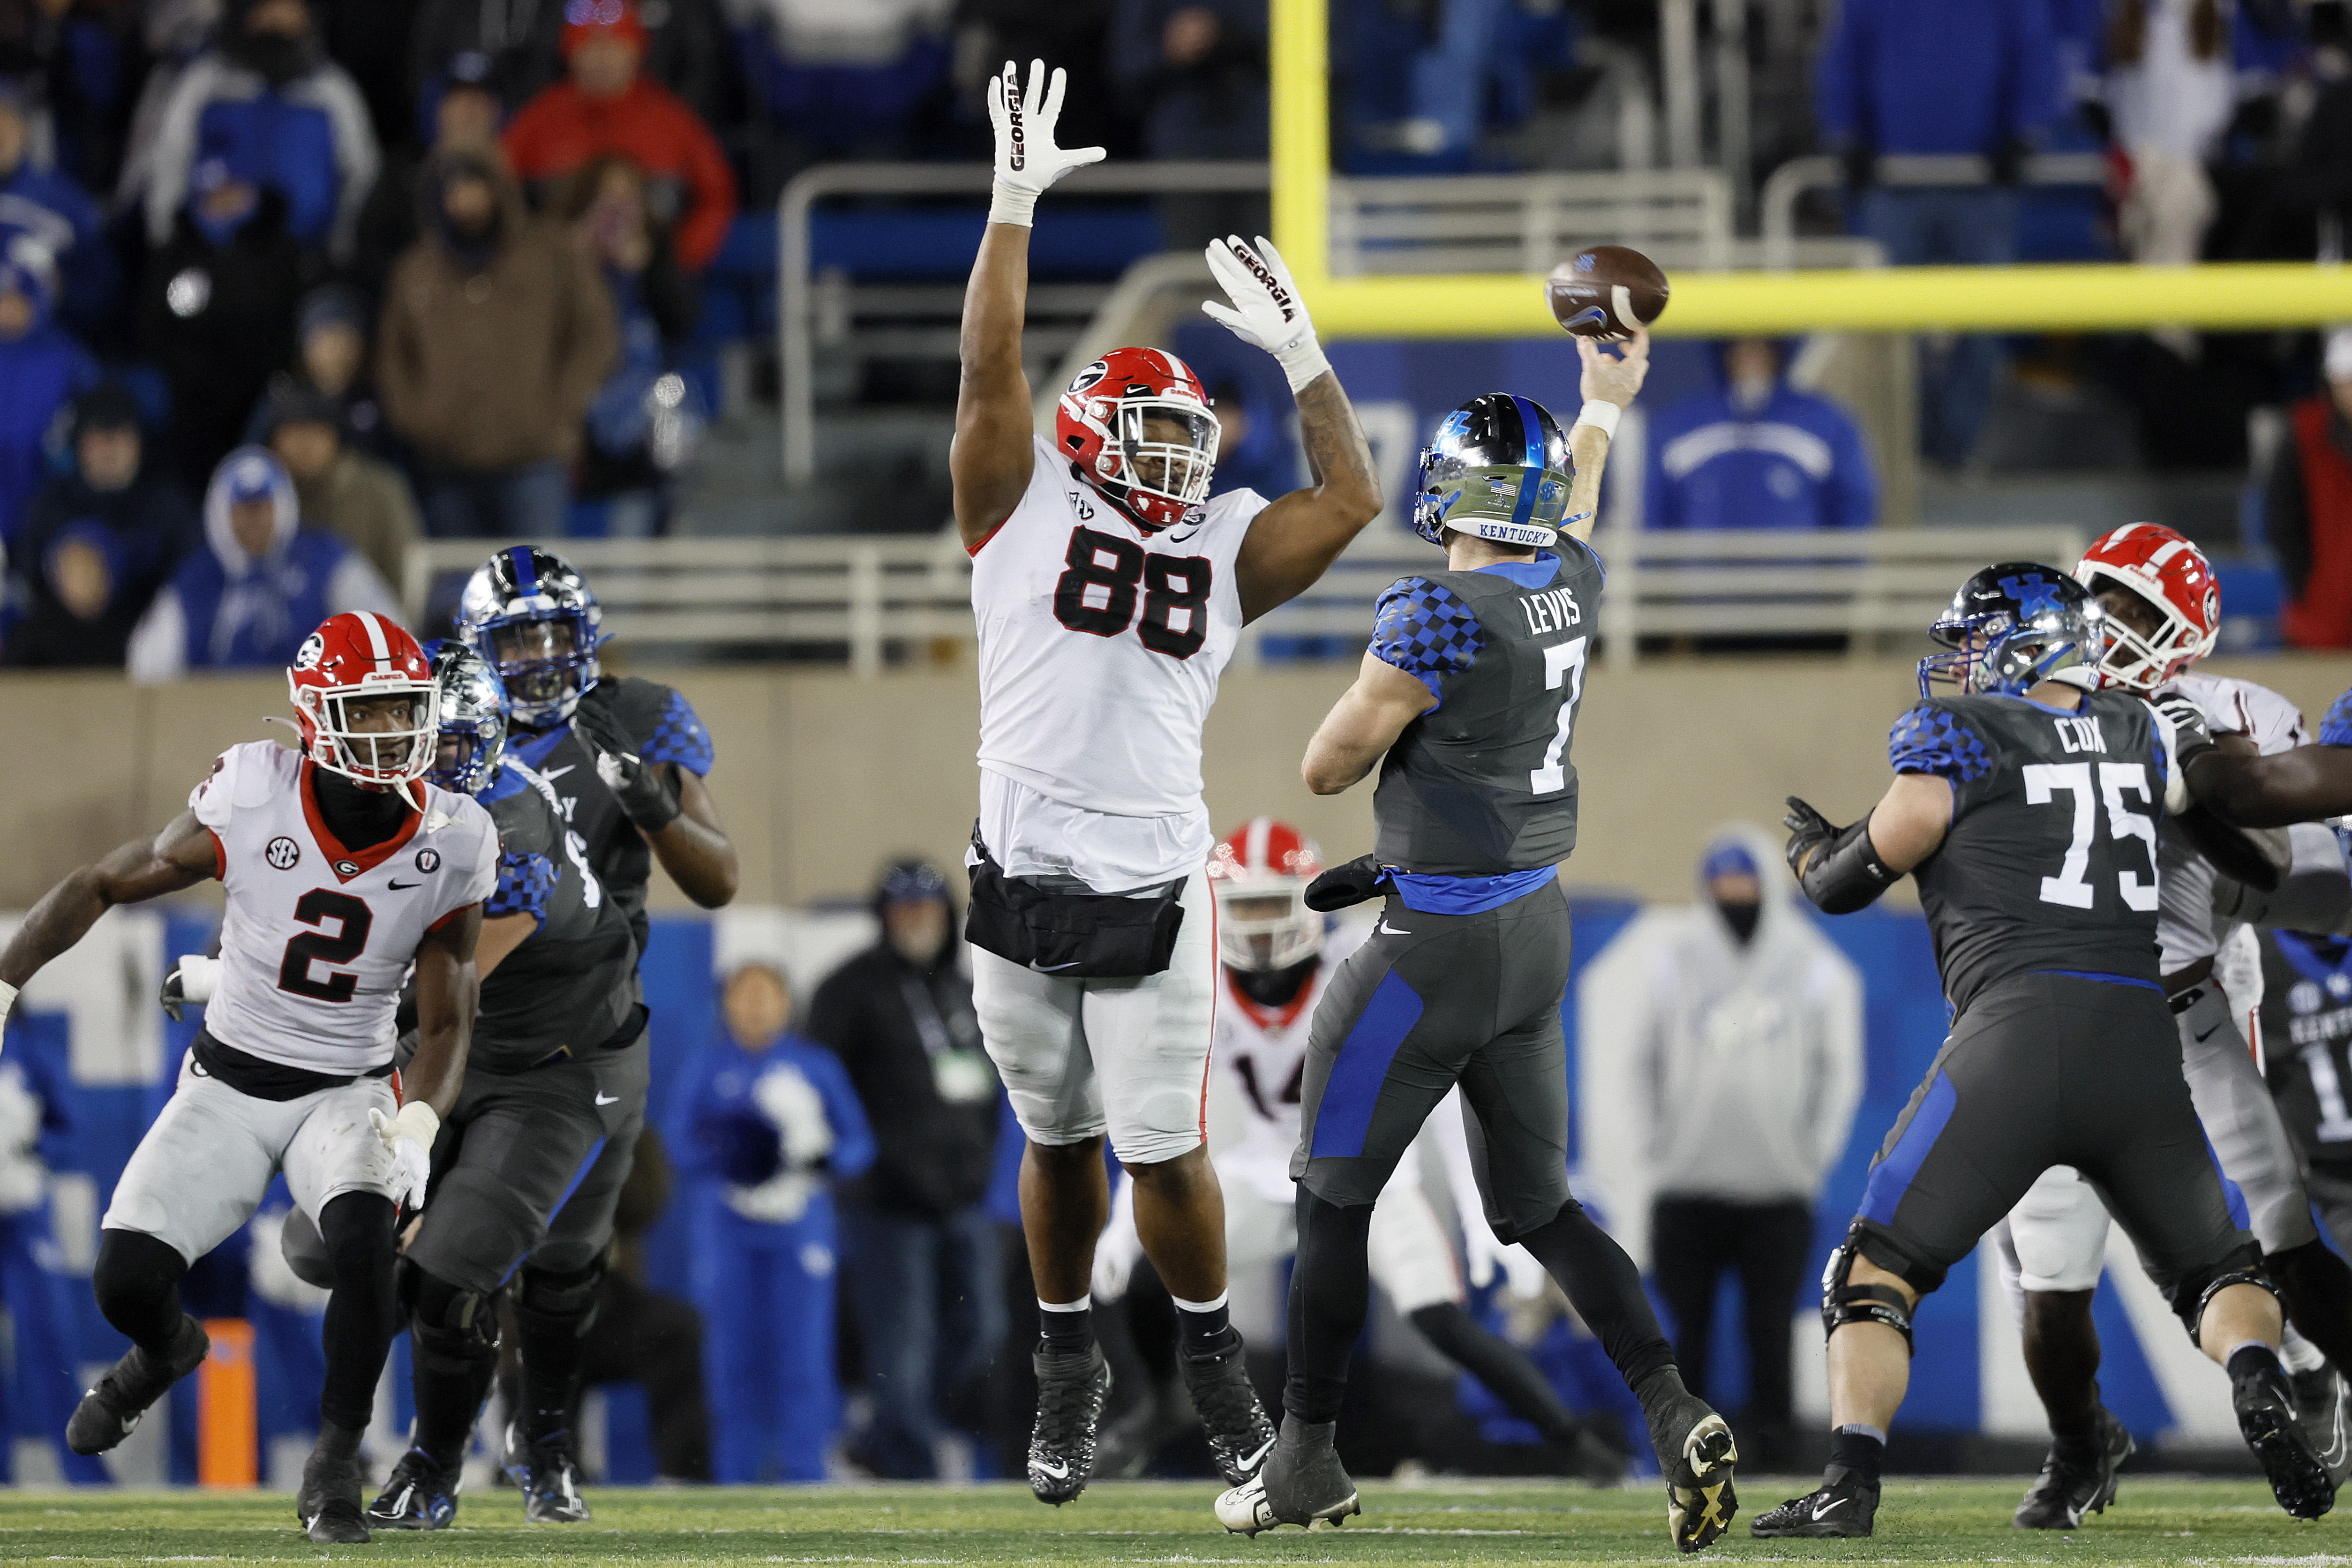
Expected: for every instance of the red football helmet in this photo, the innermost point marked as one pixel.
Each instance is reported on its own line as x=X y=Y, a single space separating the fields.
x=2173 y=575
x=1259 y=875
x=365 y=701
x=1155 y=477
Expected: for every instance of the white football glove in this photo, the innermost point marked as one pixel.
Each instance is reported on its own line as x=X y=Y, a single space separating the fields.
x=1119 y=1247
x=409 y=1138
x=1266 y=310
x=1027 y=160
x=191 y=983
x=794 y=1107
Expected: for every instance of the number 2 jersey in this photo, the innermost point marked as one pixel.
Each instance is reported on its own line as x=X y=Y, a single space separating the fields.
x=318 y=939
x=2049 y=864
x=1100 y=647
x=1482 y=784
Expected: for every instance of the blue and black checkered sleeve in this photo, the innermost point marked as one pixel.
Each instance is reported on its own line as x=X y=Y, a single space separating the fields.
x=1423 y=629
x=1931 y=739
x=526 y=881
x=2335 y=729
x=679 y=736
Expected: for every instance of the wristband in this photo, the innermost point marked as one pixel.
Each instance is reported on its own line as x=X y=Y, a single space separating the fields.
x=418 y=1122
x=1007 y=205
x=199 y=978
x=1302 y=362
x=1601 y=415
x=1846 y=874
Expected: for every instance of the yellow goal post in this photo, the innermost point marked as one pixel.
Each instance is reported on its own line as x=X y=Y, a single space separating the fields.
x=2086 y=298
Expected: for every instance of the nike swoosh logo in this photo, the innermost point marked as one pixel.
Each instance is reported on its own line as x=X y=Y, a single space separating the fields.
x=1250 y=1461
x=1060 y=1472
x=1822 y=1510
x=557 y=772
x=1382 y=928
x=398 y=886
x=608 y=1099
x=2208 y=1034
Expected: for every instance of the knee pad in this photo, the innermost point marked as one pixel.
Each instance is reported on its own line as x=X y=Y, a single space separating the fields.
x=451 y=1328
x=550 y=1302
x=135 y=1272
x=1842 y=1301
x=2191 y=1293
x=357 y=1230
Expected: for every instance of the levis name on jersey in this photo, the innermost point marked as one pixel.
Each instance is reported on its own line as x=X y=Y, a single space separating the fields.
x=318 y=939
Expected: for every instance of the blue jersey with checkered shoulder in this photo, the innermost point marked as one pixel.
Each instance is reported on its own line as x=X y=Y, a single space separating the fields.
x=2050 y=860
x=1482 y=783
x=573 y=983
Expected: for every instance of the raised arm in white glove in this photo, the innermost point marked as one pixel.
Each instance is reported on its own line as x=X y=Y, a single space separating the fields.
x=409 y=1137
x=1027 y=158
x=1266 y=310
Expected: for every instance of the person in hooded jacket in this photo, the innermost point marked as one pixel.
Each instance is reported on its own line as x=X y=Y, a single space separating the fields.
x=1757 y=453
x=264 y=582
x=495 y=333
x=98 y=543
x=922 y=1249
x=266 y=103
x=1747 y=1039
x=49 y=204
x=41 y=369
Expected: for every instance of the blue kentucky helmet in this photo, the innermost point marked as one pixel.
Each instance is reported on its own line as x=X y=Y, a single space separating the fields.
x=473 y=714
x=2013 y=625
x=1497 y=467
x=531 y=613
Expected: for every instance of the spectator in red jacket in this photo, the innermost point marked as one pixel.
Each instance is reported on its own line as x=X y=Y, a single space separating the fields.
x=604 y=108
x=2307 y=503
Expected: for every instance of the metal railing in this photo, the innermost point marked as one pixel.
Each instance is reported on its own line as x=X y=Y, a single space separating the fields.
x=799 y=303
x=1527 y=222
x=1777 y=205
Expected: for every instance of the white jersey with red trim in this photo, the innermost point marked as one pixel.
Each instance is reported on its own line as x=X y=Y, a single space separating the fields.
x=2184 y=922
x=1265 y=1051
x=1100 y=646
x=318 y=940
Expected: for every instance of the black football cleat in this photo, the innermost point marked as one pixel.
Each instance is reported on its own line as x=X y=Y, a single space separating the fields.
x=2066 y=1491
x=1841 y=1509
x=1300 y=1481
x=111 y=1411
x=2264 y=1402
x=1695 y=1453
x=1240 y=1434
x=548 y=1475
x=1071 y=1388
x=329 y=1503
x=420 y=1495
x=2323 y=1405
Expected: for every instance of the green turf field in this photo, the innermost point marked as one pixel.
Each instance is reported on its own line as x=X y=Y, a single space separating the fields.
x=2158 y=1520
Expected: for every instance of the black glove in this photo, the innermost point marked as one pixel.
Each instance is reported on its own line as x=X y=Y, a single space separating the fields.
x=1860 y=161
x=645 y=793
x=1345 y=886
x=2190 y=736
x=173 y=998
x=2008 y=159
x=1808 y=830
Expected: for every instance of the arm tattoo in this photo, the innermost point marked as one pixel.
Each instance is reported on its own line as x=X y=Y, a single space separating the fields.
x=1334 y=439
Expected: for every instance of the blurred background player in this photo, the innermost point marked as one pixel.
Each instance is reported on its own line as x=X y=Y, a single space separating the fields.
x=1278 y=960
x=771 y=1120
x=2045 y=911
x=626 y=758
x=2163 y=615
x=293 y=1068
x=1748 y=1046
x=1467 y=700
x=1109 y=591
x=557 y=1075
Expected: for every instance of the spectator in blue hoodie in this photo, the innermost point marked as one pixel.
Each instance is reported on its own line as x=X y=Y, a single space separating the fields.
x=765 y=1123
x=41 y=369
x=1756 y=453
x=268 y=104
x=264 y=582
x=1909 y=77
x=47 y=205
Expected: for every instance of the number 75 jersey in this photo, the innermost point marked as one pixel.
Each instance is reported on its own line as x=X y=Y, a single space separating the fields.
x=317 y=939
x=2049 y=864
x=1100 y=645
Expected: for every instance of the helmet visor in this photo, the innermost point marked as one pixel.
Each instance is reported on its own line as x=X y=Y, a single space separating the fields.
x=1170 y=447
x=540 y=659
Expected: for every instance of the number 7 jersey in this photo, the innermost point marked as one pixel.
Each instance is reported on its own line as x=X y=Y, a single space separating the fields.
x=1100 y=645
x=317 y=939
x=2049 y=864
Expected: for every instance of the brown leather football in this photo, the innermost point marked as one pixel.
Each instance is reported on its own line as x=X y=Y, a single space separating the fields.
x=1604 y=291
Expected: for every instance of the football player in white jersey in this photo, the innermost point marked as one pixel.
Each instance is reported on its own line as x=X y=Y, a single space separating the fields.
x=343 y=871
x=1109 y=589
x=2164 y=613
x=1277 y=960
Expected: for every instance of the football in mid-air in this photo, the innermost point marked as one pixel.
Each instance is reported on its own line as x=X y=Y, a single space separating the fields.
x=1605 y=291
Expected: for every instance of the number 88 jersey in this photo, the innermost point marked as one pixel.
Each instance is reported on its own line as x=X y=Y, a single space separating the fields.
x=2049 y=863
x=1100 y=645
x=317 y=940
